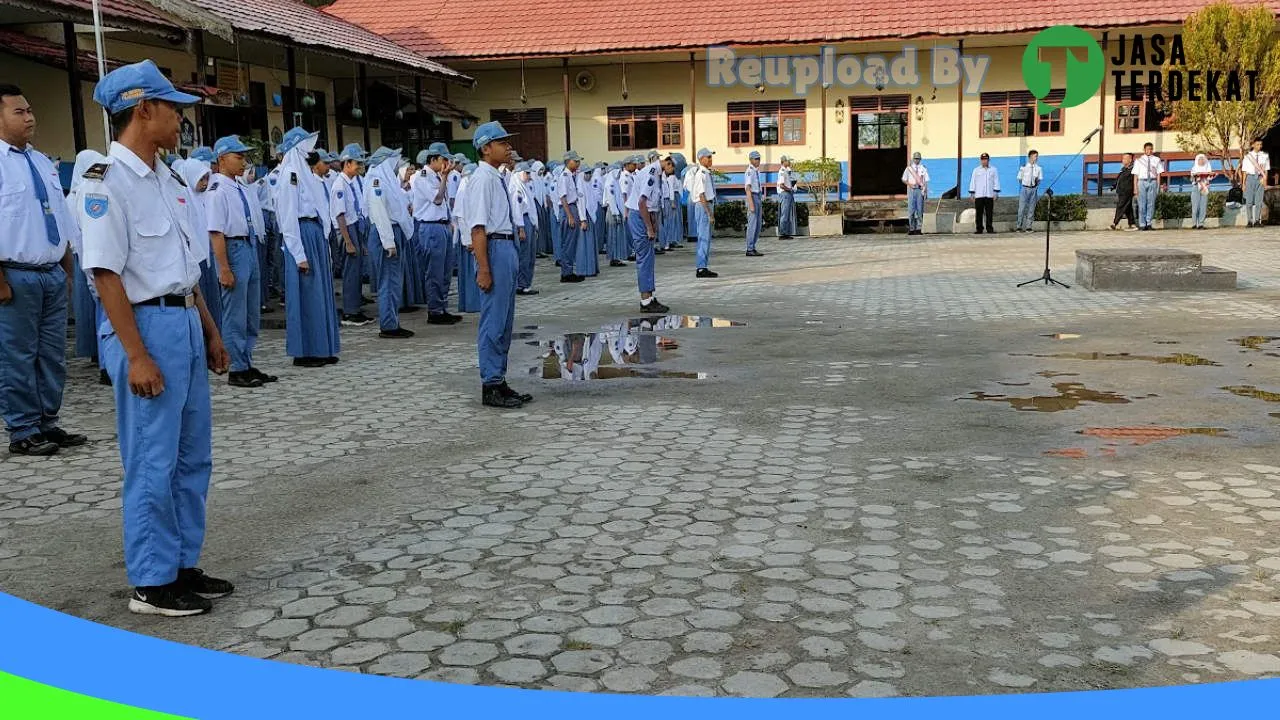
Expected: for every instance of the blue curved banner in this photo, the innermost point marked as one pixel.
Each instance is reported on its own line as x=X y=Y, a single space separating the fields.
x=78 y=656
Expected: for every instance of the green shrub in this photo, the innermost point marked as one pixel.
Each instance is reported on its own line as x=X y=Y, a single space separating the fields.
x=769 y=215
x=1066 y=208
x=731 y=215
x=1173 y=206
x=1217 y=204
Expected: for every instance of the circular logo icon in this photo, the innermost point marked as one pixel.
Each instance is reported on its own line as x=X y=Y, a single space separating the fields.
x=1084 y=70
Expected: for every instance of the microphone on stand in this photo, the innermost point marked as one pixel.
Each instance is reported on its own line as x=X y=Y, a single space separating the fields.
x=1089 y=137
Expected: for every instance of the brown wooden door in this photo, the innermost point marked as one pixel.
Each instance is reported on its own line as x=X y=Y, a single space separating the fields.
x=880 y=126
x=530 y=126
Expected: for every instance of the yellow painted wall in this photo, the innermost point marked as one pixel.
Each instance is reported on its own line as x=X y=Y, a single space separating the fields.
x=936 y=136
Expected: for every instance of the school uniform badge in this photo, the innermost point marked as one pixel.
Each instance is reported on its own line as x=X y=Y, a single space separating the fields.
x=95 y=206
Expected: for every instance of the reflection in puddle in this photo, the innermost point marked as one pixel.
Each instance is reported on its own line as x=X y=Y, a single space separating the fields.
x=1250 y=391
x=676 y=322
x=1174 y=359
x=617 y=352
x=1070 y=396
x=1258 y=343
x=1146 y=435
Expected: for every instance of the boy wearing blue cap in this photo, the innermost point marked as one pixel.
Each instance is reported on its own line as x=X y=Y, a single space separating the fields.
x=351 y=222
x=645 y=193
x=488 y=220
x=429 y=197
x=754 y=191
x=236 y=227
x=786 y=199
x=572 y=221
x=158 y=343
x=526 y=220
x=702 y=192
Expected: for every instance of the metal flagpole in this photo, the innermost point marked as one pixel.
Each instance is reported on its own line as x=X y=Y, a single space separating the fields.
x=102 y=68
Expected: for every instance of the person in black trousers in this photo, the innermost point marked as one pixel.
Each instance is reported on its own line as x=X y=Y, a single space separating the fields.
x=1124 y=195
x=984 y=186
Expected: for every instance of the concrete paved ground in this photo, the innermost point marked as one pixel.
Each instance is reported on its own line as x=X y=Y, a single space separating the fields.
x=892 y=480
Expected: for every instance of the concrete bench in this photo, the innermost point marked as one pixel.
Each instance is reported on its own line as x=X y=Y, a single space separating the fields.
x=1149 y=269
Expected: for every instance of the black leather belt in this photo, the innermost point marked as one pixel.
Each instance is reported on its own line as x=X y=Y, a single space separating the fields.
x=435 y=222
x=185 y=301
x=239 y=237
x=27 y=266
x=501 y=236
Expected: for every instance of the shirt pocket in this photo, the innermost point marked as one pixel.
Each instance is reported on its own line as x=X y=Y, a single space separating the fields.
x=157 y=247
x=13 y=198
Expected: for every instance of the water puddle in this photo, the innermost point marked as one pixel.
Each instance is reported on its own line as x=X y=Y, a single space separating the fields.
x=1147 y=435
x=1174 y=359
x=1250 y=391
x=1071 y=395
x=677 y=322
x=608 y=355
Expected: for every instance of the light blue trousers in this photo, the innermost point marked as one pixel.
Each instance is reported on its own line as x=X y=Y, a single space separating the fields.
x=753 y=221
x=33 y=351
x=1027 y=198
x=1199 y=206
x=1253 y=198
x=498 y=311
x=1147 y=191
x=703 y=220
x=433 y=246
x=642 y=248
x=786 y=214
x=353 y=265
x=166 y=444
x=915 y=208
x=241 y=313
x=524 y=280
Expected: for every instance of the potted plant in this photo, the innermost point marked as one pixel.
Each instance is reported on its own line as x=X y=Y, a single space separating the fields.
x=817 y=178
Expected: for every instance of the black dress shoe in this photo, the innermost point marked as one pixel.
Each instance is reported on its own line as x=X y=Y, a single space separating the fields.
x=243 y=379
x=705 y=273
x=653 y=306
x=754 y=253
x=194 y=580
x=440 y=319
x=572 y=278
x=262 y=376
x=397 y=333
x=492 y=396
x=331 y=360
x=310 y=362
x=617 y=263
x=522 y=397
x=35 y=445
x=526 y=291
x=64 y=439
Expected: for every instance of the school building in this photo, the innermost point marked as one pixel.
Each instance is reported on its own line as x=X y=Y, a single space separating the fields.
x=606 y=79
x=261 y=67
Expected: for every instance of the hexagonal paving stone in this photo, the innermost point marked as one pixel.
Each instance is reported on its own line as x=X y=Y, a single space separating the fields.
x=518 y=670
x=468 y=653
x=536 y=645
x=404 y=664
x=308 y=607
x=280 y=629
x=629 y=679
x=359 y=652
x=344 y=616
x=754 y=684
x=582 y=662
x=384 y=628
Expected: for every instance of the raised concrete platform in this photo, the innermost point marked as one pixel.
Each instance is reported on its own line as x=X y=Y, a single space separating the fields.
x=1149 y=269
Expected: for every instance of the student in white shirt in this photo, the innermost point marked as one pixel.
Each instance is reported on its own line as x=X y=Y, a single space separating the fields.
x=524 y=209
x=702 y=190
x=786 y=199
x=916 y=178
x=984 y=188
x=753 y=190
x=350 y=218
x=1029 y=178
x=1256 y=166
x=1147 y=171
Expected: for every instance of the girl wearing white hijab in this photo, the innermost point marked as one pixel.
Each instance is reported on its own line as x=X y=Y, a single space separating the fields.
x=1201 y=175
x=302 y=211
x=84 y=300
x=388 y=205
x=196 y=174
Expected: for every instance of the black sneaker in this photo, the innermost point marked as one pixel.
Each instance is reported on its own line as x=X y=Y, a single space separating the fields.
x=243 y=379
x=206 y=586
x=617 y=263
x=653 y=306
x=493 y=396
x=522 y=397
x=440 y=319
x=756 y=253
x=397 y=333
x=310 y=362
x=330 y=360
x=705 y=273
x=659 y=251
x=675 y=246
x=172 y=600
x=266 y=310
x=572 y=278
x=526 y=291
x=265 y=378
x=35 y=445
x=64 y=439
x=355 y=320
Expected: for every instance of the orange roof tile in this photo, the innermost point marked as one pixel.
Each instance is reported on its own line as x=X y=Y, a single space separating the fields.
x=487 y=29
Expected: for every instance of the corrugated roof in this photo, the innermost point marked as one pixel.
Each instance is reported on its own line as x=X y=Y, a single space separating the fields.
x=483 y=29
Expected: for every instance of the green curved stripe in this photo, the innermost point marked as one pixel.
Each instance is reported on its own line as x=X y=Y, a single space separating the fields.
x=22 y=699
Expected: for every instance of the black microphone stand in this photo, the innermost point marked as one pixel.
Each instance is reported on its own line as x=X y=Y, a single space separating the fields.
x=1047 y=277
